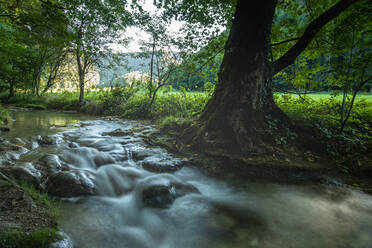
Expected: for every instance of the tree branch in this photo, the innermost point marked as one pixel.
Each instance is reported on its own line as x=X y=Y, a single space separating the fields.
x=285 y=41
x=312 y=29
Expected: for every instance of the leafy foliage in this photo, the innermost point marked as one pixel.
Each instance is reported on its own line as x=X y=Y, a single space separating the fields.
x=345 y=146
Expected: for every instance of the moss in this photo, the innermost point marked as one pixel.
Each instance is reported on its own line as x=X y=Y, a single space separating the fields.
x=36 y=106
x=37 y=239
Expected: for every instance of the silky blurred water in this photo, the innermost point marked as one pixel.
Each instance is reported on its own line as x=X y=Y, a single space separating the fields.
x=228 y=212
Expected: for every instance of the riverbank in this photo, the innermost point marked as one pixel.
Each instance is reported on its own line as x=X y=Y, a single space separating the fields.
x=290 y=165
x=314 y=141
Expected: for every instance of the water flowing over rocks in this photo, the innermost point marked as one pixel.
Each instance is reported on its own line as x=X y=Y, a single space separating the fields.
x=117 y=190
x=160 y=191
x=50 y=164
x=66 y=242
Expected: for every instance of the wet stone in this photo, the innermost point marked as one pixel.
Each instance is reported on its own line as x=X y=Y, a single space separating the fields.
x=18 y=141
x=71 y=184
x=49 y=164
x=118 y=132
x=23 y=173
x=142 y=153
x=6 y=146
x=163 y=196
x=86 y=124
x=73 y=145
x=103 y=159
x=158 y=166
x=161 y=191
x=46 y=140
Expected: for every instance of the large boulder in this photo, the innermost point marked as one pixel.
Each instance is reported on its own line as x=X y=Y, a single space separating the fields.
x=71 y=184
x=160 y=191
x=22 y=173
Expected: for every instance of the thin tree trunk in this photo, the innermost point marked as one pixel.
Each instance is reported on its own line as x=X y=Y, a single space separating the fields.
x=360 y=86
x=81 y=76
x=346 y=86
x=151 y=69
x=11 y=90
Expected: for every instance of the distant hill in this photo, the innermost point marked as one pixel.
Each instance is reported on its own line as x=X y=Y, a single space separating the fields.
x=127 y=63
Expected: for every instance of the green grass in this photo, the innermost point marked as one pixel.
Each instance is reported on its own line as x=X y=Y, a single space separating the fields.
x=327 y=95
x=43 y=199
x=322 y=113
x=41 y=238
x=4 y=115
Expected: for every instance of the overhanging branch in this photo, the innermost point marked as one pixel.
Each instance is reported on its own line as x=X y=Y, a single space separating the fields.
x=312 y=29
x=284 y=41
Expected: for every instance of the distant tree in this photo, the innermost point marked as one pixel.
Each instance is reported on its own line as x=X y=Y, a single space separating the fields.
x=160 y=50
x=95 y=25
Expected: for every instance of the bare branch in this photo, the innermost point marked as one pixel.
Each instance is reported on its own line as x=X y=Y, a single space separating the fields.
x=285 y=41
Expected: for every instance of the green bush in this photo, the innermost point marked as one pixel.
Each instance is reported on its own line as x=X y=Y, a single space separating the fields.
x=345 y=146
x=41 y=238
x=4 y=115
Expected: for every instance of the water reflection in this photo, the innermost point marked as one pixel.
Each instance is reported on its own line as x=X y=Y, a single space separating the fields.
x=29 y=123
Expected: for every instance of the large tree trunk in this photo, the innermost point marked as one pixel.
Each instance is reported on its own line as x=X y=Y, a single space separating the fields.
x=235 y=117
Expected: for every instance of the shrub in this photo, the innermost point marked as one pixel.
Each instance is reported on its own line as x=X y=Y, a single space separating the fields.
x=41 y=238
x=4 y=115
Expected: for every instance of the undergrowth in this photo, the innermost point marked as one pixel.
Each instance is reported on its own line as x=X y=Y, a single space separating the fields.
x=347 y=146
x=4 y=115
x=41 y=238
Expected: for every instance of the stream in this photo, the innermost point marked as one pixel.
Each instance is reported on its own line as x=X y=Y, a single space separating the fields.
x=117 y=191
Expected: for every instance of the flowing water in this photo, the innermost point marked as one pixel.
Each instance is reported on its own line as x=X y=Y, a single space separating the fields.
x=228 y=212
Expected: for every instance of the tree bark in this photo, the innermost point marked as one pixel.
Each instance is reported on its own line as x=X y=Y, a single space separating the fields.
x=242 y=100
x=238 y=118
